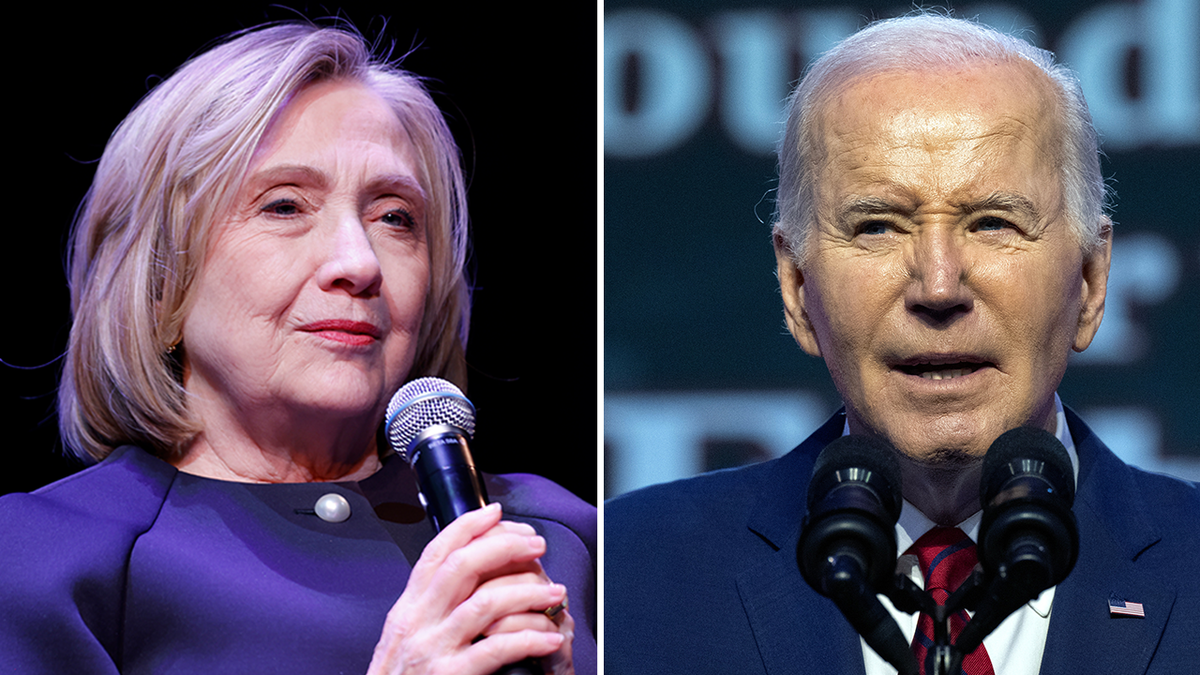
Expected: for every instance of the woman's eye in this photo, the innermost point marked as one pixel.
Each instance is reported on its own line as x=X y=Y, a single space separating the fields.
x=399 y=218
x=282 y=207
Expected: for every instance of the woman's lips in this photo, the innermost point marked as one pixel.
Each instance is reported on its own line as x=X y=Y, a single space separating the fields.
x=344 y=331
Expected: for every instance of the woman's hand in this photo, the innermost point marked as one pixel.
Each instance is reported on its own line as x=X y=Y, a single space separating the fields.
x=560 y=662
x=475 y=602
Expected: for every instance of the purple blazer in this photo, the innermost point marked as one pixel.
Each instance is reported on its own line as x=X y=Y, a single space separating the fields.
x=131 y=566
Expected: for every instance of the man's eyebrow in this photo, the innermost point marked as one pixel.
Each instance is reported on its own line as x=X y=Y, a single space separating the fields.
x=874 y=205
x=870 y=206
x=997 y=201
x=1003 y=201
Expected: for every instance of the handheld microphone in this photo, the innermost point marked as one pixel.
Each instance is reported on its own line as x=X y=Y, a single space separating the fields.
x=428 y=423
x=1028 y=538
x=847 y=547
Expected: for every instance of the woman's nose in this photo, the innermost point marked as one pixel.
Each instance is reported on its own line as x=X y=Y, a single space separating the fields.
x=350 y=264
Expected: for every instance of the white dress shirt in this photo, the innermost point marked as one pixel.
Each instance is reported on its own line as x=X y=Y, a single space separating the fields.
x=1015 y=647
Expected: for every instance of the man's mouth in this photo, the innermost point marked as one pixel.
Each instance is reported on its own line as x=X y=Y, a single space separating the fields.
x=941 y=371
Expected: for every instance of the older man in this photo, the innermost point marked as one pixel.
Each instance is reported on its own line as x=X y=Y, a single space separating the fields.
x=941 y=244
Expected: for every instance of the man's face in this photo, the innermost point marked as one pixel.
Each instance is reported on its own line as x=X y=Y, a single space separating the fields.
x=942 y=283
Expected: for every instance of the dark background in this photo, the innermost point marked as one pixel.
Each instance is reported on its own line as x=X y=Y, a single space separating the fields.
x=519 y=88
x=691 y=299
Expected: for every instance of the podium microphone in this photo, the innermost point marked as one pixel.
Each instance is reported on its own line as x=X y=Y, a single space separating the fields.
x=1028 y=538
x=847 y=547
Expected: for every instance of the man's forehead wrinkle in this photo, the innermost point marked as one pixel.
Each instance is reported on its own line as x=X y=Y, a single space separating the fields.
x=871 y=159
x=851 y=154
x=1013 y=130
x=942 y=138
x=852 y=145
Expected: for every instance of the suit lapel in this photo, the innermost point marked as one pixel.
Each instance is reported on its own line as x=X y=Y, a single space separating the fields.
x=1115 y=529
x=796 y=630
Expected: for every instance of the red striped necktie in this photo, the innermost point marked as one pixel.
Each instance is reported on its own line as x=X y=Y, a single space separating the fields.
x=947 y=556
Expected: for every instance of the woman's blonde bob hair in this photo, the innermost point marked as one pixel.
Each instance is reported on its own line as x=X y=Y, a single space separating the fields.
x=170 y=168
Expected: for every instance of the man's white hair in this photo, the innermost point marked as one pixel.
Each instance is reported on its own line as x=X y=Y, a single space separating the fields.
x=919 y=42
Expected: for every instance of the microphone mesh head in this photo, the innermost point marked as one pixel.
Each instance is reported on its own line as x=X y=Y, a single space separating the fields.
x=423 y=403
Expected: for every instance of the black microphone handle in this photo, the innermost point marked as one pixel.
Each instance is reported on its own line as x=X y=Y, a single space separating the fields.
x=846 y=585
x=450 y=486
x=999 y=601
x=1023 y=574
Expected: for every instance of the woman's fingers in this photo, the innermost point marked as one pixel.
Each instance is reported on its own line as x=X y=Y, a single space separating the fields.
x=506 y=648
x=547 y=615
x=562 y=660
x=459 y=533
x=471 y=550
x=483 y=559
x=512 y=604
x=475 y=601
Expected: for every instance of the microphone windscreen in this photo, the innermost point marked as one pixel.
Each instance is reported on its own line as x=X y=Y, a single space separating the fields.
x=870 y=455
x=1027 y=447
x=424 y=403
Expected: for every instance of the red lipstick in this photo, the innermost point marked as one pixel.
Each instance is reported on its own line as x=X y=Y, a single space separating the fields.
x=345 y=331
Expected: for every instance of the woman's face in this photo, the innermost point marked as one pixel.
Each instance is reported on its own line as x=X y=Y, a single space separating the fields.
x=310 y=299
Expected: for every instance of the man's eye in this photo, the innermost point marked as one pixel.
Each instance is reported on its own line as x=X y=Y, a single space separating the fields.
x=873 y=227
x=992 y=223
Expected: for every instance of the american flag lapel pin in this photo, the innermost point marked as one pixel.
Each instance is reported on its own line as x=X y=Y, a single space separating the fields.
x=1121 y=607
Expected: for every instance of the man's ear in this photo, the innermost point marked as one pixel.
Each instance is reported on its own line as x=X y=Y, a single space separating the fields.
x=795 y=311
x=1095 y=287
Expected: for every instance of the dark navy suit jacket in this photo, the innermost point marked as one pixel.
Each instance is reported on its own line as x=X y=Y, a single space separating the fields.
x=701 y=577
x=133 y=567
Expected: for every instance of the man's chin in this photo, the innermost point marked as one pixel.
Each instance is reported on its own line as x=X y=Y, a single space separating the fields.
x=933 y=450
x=942 y=457
x=947 y=441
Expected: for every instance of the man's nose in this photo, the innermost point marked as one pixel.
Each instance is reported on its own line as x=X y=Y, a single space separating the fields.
x=938 y=288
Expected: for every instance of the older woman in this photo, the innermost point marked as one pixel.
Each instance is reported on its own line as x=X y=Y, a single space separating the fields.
x=274 y=242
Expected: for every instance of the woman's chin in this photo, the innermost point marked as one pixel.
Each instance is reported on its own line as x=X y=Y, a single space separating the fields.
x=335 y=403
